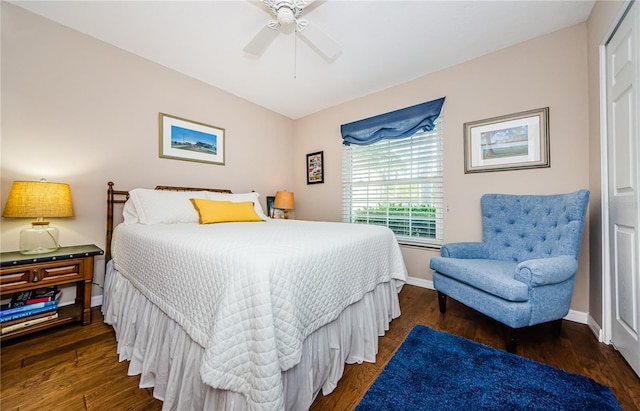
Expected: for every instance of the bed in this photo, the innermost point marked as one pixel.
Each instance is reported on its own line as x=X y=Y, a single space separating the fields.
x=237 y=315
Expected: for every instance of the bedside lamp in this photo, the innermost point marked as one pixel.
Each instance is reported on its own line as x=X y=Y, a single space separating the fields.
x=284 y=201
x=39 y=199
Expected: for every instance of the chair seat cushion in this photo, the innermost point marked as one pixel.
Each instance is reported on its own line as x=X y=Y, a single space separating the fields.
x=492 y=276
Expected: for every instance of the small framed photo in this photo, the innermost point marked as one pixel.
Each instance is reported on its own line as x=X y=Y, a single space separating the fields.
x=511 y=142
x=270 y=209
x=315 y=168
x=182 y=139
x=273 y=212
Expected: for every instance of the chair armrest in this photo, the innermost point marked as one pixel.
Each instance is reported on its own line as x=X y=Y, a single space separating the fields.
x=542 y=271
x=464 y=250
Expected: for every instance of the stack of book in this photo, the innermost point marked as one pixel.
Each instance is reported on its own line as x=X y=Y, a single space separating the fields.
x=28 y=308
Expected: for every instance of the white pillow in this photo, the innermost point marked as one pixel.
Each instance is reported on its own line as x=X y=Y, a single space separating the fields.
x=162 y=206
x=129 y=213
x=239 y=198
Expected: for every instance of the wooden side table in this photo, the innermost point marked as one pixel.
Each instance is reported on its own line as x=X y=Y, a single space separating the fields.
x=67 y=265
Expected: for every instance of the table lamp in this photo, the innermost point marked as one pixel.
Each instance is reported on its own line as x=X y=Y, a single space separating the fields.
x=38 y=199
x=284 y=201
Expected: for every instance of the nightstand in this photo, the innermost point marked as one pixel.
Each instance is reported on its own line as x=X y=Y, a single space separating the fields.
x=67 y=265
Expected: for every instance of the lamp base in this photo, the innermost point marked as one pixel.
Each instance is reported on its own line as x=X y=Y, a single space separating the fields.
x=39 y=239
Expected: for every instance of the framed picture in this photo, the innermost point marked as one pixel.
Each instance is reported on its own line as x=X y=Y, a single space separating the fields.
x=511 y=142
x=315 y=168
x=270 y=209
x=273 y=212
x=182 y=139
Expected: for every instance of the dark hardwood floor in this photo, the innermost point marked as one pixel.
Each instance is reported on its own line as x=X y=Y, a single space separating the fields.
x=77 y=368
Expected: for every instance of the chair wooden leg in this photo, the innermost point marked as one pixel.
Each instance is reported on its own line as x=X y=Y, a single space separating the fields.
x=511 y=339
x=556 y=327
x=442 y=302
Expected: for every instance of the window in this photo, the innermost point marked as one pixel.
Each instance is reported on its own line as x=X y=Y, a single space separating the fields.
x=397 y=183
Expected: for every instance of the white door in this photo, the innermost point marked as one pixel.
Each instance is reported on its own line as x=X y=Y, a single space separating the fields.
x=623 y=112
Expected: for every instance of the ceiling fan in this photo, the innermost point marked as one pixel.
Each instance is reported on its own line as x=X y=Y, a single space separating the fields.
x=286 y=14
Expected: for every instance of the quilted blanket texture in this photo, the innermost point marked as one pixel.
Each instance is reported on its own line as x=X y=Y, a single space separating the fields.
x=250 y=293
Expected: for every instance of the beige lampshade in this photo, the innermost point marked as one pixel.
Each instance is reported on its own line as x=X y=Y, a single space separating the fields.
x=284 y=200
x=38 y=199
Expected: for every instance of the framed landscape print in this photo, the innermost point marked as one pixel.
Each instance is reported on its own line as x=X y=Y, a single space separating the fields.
x=315 y=168
x=510 y=142
x=182 y=139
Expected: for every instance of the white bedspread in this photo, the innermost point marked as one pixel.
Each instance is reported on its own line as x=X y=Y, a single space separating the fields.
x=250 y=293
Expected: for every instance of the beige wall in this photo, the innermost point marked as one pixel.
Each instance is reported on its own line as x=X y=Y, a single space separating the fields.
x=599 y=25
x=79 y=111
x=548 y=71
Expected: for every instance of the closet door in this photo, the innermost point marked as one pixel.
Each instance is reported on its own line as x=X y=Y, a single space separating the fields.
x=623 y=108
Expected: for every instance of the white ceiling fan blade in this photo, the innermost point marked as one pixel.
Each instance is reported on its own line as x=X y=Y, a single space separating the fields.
x=321 y=42
x=302 y=4
x=261 y=40
x=309 y=5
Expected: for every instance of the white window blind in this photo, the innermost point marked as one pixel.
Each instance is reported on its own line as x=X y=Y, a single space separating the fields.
x=397 y=184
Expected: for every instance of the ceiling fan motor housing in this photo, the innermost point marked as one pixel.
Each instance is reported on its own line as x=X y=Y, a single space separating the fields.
x=285 y=16
x=286 y=12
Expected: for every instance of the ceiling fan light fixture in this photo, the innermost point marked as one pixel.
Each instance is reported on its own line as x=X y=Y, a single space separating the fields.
x=285 y=16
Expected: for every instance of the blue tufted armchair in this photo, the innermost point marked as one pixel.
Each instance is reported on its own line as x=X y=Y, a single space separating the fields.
x=523 y=271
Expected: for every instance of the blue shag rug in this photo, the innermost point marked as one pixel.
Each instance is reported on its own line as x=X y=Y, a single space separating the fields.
x=435 y=370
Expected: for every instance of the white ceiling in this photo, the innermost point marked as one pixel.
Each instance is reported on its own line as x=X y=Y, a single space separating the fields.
x=384 y=43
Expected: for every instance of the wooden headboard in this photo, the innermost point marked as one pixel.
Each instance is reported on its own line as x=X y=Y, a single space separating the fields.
x=121 y=197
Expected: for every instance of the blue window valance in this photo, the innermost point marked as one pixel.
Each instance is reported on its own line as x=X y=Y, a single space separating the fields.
x=396 y=124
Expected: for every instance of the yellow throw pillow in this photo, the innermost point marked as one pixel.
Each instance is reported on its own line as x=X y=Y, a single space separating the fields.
x=224 y=211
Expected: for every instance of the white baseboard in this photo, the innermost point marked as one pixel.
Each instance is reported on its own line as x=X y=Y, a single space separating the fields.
x=596 y=330
x=419 y=282
x=96 y=300
x=575 y=316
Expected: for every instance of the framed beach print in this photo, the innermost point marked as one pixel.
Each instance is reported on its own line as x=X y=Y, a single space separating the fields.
x=315 y=168
x=182 y=139
x=511 y=142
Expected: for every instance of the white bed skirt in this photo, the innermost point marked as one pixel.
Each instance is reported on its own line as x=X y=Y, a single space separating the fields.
x=168 y=360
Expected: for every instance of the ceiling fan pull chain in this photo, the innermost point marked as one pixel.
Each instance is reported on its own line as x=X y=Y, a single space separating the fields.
x=295 y=53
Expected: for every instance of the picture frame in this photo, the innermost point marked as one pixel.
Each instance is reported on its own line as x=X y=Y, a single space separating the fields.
x=315 y=168
x=270 y=208
x=273 y=212
x=182 y=139
x=510 y=142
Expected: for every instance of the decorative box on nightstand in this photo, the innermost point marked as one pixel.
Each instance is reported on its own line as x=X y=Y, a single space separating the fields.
x=67 y=265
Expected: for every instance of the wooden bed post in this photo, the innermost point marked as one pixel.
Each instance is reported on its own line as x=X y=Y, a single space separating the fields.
x=111 y=200
x=107 y=255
